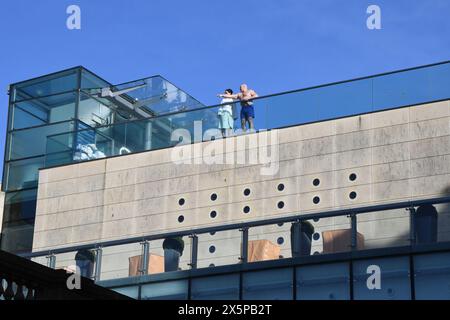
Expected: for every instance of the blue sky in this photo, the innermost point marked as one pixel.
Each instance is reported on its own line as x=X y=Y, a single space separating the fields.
x=206 y=46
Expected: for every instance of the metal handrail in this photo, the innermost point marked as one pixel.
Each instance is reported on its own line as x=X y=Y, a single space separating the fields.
x=243 y=225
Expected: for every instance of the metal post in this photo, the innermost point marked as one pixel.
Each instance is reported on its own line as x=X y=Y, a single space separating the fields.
x=98 y=264
x=354 y=226
x=194 y=251
x=51 y=261
x=412 y=225
x=144 y=257
x=244 y=245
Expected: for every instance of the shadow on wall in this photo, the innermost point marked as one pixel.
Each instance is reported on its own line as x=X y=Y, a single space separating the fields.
x=432 y=224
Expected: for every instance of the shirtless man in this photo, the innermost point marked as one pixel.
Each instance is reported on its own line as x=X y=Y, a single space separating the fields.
x=247 y=111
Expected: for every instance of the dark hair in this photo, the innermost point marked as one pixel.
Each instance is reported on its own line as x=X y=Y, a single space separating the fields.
x=229 y=90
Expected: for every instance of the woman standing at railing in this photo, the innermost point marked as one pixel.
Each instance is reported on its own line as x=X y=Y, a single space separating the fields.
x=225 y=114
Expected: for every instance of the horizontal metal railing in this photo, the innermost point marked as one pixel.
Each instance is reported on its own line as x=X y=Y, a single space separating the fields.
x=244 y=227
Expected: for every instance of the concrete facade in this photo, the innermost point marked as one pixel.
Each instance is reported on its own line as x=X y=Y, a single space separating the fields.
x=381 y=157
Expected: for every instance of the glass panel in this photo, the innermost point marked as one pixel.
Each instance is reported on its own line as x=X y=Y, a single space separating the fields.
x=90 y=80
x=175 y=253
x=20 y=206
x=17 y=237
x=324 y=282
x=18 y=220
x=32 y=142
x=394 y=282
x=23 y=174
x=44 y=110
x=432 y=223
x=47 y=85
x=274 y=284
x=167 y=290
x=329 y=235
x=132 y=292
x=156 y=95
x=81 y=262
x=93 y=112
x=216 y=288
x=411 y=87
x=86 y=144
x=27 y=115
x=314 y=104
x=432 y=276
x=269 y=243
x=219 y=248
x=123 y=261
x=383 y=229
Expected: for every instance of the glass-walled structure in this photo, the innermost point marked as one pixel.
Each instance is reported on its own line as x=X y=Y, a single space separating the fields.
x=41 y=113
x=170 y=111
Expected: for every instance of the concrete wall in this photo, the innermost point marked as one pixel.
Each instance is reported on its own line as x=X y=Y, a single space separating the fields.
x=396 y=155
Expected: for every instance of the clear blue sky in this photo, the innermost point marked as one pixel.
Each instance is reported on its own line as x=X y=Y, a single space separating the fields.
x=204 y=46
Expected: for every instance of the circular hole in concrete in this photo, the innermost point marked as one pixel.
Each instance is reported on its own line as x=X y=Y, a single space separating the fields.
x=280 y=224
x=181 y=202
x=280 y=187
x=352 y=195
x=246 y=209
x=316 y=236
x=352 y=177
x=180 y=219
x=280 y=240
x=212 y=233
x=316 y=200
x=247 y=192
x=212 y=249
x=213 y=214
x=316 y=182
x=214 y=197
x=280 y=205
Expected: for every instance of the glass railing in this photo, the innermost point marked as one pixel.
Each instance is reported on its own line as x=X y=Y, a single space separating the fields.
x=410 y=224
x=393 y=90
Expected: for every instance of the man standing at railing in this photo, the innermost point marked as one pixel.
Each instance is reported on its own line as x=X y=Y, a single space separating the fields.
x=247 y=111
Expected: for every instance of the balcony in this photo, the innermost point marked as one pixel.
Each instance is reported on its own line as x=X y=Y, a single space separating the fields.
x=414 y=261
